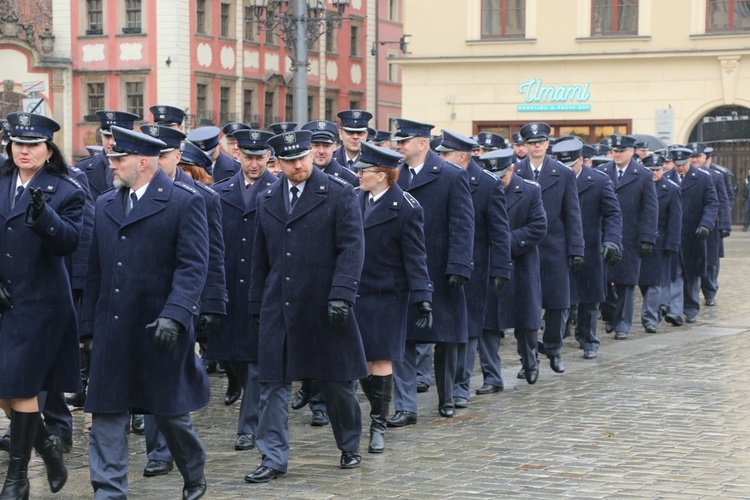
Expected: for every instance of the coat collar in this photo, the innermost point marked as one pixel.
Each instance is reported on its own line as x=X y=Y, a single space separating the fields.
x=433 y=164
x=231 y=190
x=153 y=201
x=42 y=179
x=585 y=179
x=475 y=174
x=316 y=190
x=386 y=209
x=514 y=192
x=690 y=180
x=550 y=173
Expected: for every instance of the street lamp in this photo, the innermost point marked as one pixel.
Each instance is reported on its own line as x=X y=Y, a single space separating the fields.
x=299 y=23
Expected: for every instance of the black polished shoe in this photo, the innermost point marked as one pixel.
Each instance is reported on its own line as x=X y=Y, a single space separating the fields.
x=673 y=319
x=263 y=474
x=556 y=363
x=650 y=329
x=401 y=419
x=447 y=411
x=691 y=318
x=521 y=374
x=157 y=468
x=460 y=402
x=137 y=424
x=64 y=445
x=710 y=302
x=76 y=400
x=663 y=310
x=488 y=389
x=319 y=418
x=231 y=397
x=194 y=489
x=244 y=442
x=531 y=375
x=589 y=354
x=350 y=460
x=540 y=348
x=609 y=327
x=210 y=367
x=422 y=387
x=300 y=400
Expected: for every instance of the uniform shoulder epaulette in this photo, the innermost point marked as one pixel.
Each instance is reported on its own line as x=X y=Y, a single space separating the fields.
x=704 y=171
x=186 y=187
x=357 y=189
x=76 y=169
x=672 y=183
x=600 y=172
x=528 y=181
x=491 y=174
x=720 y=168
x=339 y=180
x=453 y=165
x=109 y=189
x=222 y=181
x=411 y=200
x=202 y=186
x=72 y=181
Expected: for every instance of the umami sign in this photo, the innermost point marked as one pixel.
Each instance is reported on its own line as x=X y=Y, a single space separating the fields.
x=541 y=97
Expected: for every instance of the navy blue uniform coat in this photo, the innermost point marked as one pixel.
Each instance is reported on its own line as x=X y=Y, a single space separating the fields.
x=723 y=219
x=151 y=263
x=214 y=297
x=640 y=215
x=564 y=229
x=78 y=262
x=335 y=169
x=39 y=335
x=234 y=339
x=491 y=243
x=443 y=191
x=300 y=262
x=224 y=167
x=602 y=222
x=700 y=207
x=519 y=304
x=339 y=156
x=656 y=268
x=95 y=167
x=394 y=274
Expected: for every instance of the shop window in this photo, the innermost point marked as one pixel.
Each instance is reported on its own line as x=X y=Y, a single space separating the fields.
x=95 y=17
x=727 y=15
x=614 y=17
x=503 y=18
x=132 y=16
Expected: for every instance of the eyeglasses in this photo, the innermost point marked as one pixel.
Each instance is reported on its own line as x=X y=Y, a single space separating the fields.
x=365 y=170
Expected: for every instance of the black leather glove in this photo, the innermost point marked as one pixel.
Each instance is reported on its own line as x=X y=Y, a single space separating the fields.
x=425 y=315
x=610 y=253
x=575 y=262
x=166 y=333
x=725 y=233
x=338 y=313
x=498 y=284
x=255 y=320
x=645 y=249
x=702 y=232
x=456 y=281
x=36 y=205
x=208 y=321
x=5 y=297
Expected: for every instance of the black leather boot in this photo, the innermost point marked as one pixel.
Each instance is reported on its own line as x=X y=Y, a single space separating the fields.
x=366 y=384
x=234 y=385
x=380 y=401
x=46 y=446
x=23 y=428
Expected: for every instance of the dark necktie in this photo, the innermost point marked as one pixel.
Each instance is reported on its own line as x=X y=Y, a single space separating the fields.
x=248 y=195
x=351 y=164
x=129 y=206
x=369 y=206
x=19 y=192
x=412 y=175
x=682 y=178
x=295 y=198
x=536 y=174
x=619 y=175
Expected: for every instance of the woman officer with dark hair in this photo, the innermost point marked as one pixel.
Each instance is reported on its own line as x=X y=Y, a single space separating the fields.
x=394 y=275
x=41 y=212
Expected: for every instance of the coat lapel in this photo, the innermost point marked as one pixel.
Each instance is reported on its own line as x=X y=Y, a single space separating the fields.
x=514 y=192
x=152 y=201
x=6 y=186
x=475 y=173
x=115 y=206
x=42 y=179
x=433 y=164
x=585 y=180
x=550 y=173
x=630 y=175
x=316 y=190
x=385 y=209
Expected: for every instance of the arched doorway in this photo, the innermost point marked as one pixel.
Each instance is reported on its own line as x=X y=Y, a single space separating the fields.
x=727 y=130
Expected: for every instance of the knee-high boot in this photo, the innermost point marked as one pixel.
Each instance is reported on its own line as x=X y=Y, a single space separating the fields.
x=23 y=428
x=366 y=385
x=381 y=389
x=46 y=446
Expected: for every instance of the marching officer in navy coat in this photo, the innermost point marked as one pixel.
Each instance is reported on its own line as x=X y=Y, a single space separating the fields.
x=147 y=268
x=656 y=268
x=96 y=167
x=394 y=277
x=700 y=208
x=710 y=285
x=207 y=138
x=714 y=243
x=214 y=296
x=169 y=116
x=634 y=187
x=233 y=341
x=492 y=264
x=443 y=191
x=352 y=131
x=602 y=235
x=324 y=140
x=519 y=303
x=562 y=248
x=307 y=260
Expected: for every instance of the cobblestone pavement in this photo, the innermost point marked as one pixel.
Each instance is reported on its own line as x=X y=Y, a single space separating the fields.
x=662 y=415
